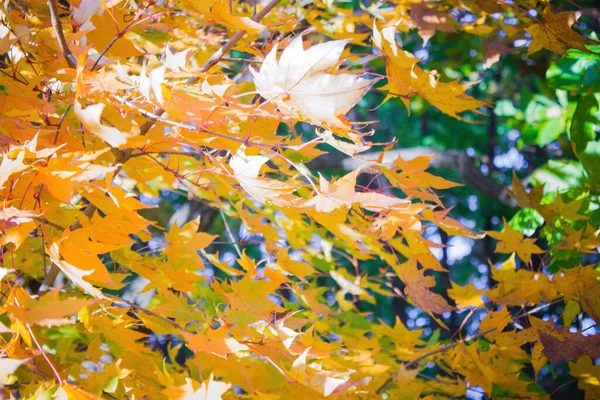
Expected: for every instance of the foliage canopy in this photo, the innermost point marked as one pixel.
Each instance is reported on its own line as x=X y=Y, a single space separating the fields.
x=289 y=126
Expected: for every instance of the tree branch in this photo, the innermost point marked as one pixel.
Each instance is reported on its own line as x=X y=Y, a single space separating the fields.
x=448 y=346
x=456 y=160
x=60 y=35
x=442 y=349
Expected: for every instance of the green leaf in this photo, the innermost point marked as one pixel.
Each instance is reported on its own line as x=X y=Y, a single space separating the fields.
x=584 y=122
x=527 y=220
x=590 y=159
x=560 y=175
x=576 y=71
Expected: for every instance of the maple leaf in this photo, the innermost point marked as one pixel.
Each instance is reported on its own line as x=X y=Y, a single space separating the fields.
x=406 y=79
x=246 y=169
x=342 y=193
x=313 y=376
x=15 y=225
x=107 y=25
x=449 y=225
x=347 y=286
x=418 y=289
x=497 y=320
x=301 y=82
x=411 y=344
x=538 y=360
x=192 y=390
x=215 y=341
x=430 y=20
x=184 y=244
x=176 y=61
x=74 y=203
x=10 y=166
x=466 y=296
x=48 y=310
x=73 y=273
x=220 y=12
x=555 y=34
x=9 y=365
x=526 y=199
x=350 y=149
x=90 y=118
x=587 y=372
x=513 y=241
x=562 y=345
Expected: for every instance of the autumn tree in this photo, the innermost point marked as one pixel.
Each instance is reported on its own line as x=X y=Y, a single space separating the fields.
x=210 y=199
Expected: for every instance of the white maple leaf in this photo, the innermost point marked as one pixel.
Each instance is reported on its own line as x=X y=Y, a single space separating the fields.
x=247 y=168
x=176 y=61
x=301 y=82
x=90 y=119
x=314 y=376
x=8 y=366
x=342 y=193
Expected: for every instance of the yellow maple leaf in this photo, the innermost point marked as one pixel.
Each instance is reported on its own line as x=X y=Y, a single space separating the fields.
x=90 y=118
x=215 y=341
x=449 y=225
x=15 y=225
x=184 y=243
x=192 y=390
x=526 y=199
x=47 y=310
x=73 y=273
x=496 y=320
x=512 y=241
x=220 y=12
x=407 y=79
x=555 y=34
x=466 y=296
x=418 y=289
x=11 y=165
x=107 y=26
x=317 y=378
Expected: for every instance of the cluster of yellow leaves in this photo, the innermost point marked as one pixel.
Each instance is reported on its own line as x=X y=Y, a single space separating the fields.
x=86 y=149
x=406 y=79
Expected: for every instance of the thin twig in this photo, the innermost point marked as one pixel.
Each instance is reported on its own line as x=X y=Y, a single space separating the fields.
x=62 y=119
x=120 y=34
x=60 y=35
x=227 y=228
x=244 y=60
x=148 y=312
